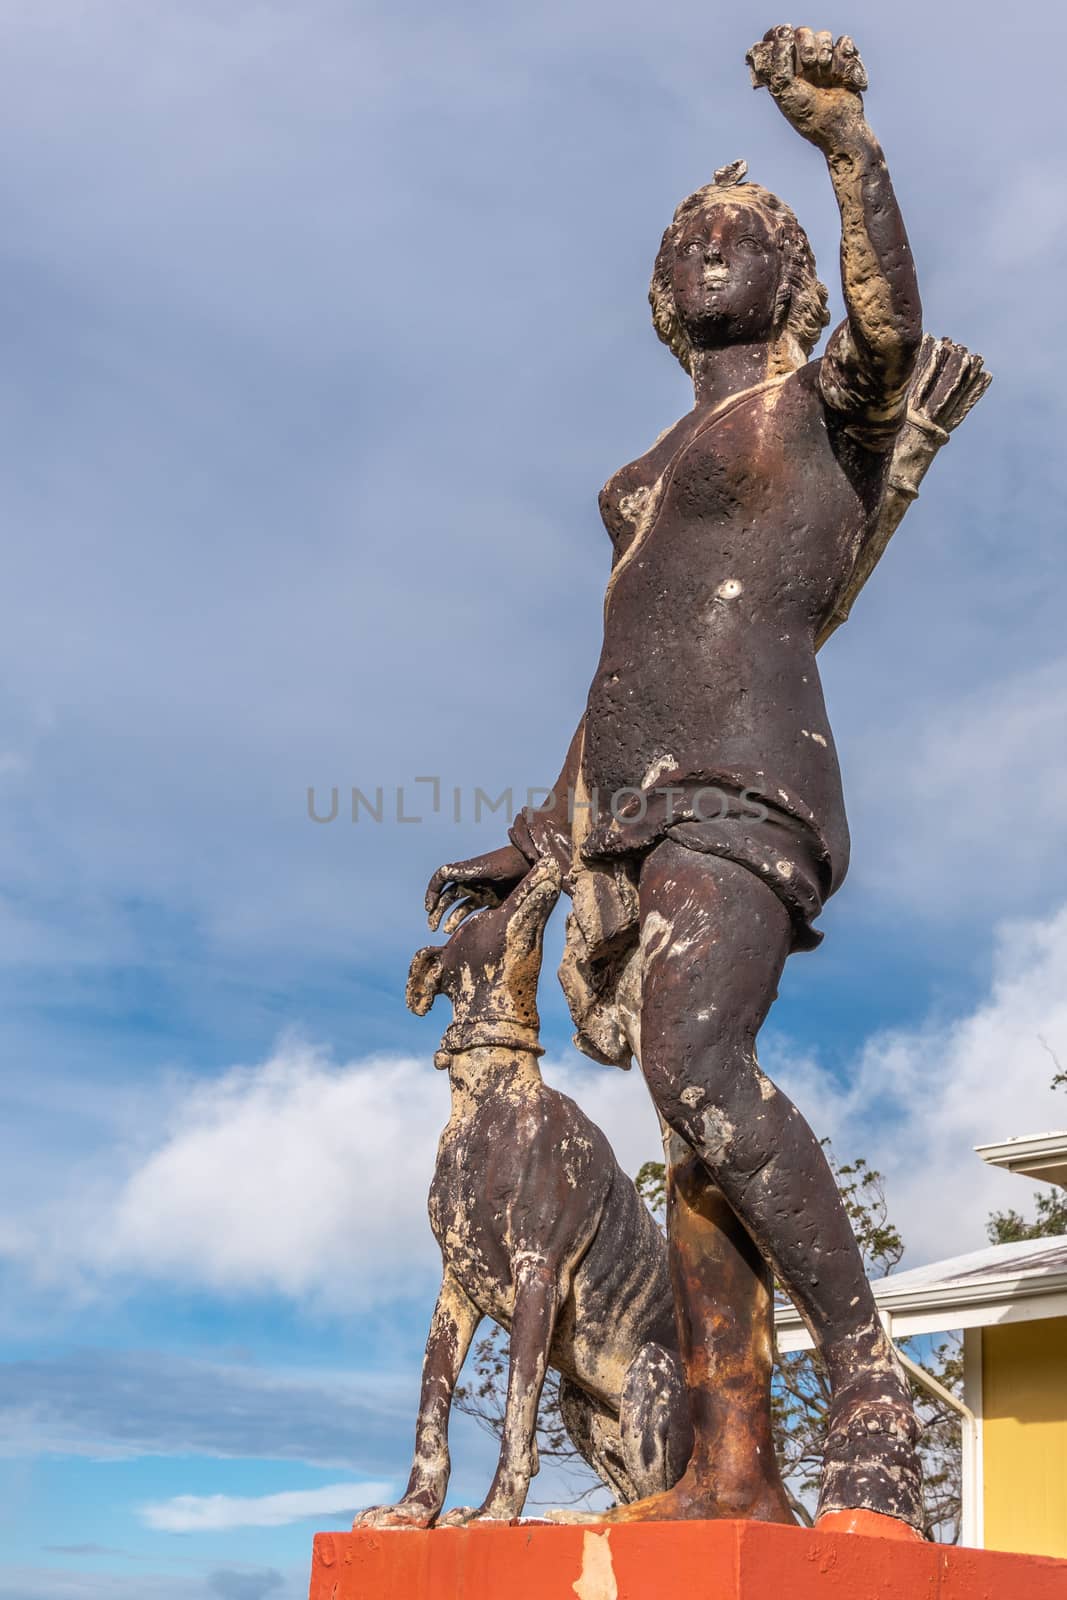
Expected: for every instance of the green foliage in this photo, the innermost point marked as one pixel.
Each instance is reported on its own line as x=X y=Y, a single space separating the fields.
x=864 y=1199
x=651 y=1185
x=1050 y=1218
x=1008 y=1227
x=941 y=1446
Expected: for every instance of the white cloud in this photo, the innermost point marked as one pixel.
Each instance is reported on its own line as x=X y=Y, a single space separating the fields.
x=309 y=1179
x=917 y=1100
x=212 y=1513
x=960 y=804
x=298 y=1176
x=126 y=1403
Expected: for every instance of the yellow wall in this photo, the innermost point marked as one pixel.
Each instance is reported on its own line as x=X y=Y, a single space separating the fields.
x=1024 y=1432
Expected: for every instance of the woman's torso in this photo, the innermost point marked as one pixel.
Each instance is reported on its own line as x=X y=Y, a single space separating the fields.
x=734 y=535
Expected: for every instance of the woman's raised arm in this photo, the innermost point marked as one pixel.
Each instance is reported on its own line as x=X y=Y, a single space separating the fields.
x=816 y=84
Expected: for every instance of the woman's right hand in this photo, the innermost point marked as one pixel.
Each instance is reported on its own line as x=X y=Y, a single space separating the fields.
x=473 y=885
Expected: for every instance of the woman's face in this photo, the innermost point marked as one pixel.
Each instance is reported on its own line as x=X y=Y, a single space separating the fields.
x=725 y=275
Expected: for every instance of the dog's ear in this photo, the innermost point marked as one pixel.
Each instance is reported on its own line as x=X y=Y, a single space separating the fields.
x=424 y=979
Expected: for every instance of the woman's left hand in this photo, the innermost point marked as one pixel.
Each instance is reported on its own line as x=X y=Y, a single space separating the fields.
x=473 y=885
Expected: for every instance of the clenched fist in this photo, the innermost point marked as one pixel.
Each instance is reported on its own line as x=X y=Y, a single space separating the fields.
x=815 y=82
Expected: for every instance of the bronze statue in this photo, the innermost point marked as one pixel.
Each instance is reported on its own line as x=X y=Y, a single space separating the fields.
x=699 y=821
x=540 y=1230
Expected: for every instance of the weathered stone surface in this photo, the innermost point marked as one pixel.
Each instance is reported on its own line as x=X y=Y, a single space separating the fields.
x=699 y=822
x=541 y=1231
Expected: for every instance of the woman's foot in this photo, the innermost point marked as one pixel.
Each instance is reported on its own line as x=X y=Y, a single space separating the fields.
x=871 y=1463
x=696 y=1498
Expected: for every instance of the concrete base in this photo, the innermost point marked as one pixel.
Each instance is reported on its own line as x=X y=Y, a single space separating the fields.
x=666 y=1561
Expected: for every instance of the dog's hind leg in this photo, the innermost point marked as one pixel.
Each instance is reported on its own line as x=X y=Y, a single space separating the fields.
x=452 y=1327
x=594 y=1432
x=654 y=1424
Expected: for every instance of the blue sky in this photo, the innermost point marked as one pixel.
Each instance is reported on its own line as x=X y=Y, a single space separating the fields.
x=323 y=325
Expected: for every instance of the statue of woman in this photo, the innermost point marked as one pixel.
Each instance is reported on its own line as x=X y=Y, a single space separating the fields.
x=699 y=816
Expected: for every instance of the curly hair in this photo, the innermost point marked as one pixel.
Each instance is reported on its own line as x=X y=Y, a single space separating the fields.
x=801 y=296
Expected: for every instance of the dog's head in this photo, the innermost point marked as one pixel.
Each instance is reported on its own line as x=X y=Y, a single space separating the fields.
x=490 y=966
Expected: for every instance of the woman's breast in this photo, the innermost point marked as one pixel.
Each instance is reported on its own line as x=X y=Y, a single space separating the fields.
x=712 y=611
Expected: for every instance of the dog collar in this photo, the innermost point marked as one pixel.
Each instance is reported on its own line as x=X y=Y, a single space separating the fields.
x=506 y=1035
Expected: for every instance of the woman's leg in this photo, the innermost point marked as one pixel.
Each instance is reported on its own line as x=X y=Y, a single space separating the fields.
x=714 y=941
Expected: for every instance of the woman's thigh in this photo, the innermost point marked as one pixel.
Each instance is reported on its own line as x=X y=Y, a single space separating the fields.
x=714 y=940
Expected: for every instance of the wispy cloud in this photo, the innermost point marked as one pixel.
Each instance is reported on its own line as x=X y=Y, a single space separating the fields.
x=191 y=1513
x=916 y=1100
x=83 y=1550
x=222 y=1583
x=228 y=1583
x=962 y=795
x=120 y=1404
x=231 y=1583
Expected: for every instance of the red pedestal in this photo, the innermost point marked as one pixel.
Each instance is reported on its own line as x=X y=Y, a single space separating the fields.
x=666 y=1561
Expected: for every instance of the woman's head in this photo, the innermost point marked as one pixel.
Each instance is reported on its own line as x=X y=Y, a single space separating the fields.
x=735 y=264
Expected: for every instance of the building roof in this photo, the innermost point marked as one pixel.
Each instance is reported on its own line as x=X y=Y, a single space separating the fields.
x=1002 y=1283
x=1035 y=1155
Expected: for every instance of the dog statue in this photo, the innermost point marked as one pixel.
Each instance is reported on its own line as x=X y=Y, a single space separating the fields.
x=540 y=1230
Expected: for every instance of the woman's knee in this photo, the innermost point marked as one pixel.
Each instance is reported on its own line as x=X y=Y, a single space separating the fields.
x=700 y=1084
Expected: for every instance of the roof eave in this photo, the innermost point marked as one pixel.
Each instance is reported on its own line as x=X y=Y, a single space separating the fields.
x=943 y=1307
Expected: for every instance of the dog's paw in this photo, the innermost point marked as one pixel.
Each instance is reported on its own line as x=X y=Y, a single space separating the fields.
x=458 y=1517
x=402 y=1515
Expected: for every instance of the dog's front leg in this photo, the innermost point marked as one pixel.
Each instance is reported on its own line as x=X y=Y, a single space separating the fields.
x=538 y=1295
x=452 y=1327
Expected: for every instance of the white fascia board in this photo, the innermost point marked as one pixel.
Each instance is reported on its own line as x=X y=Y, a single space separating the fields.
x=1039 y=1155
x=943 y=1307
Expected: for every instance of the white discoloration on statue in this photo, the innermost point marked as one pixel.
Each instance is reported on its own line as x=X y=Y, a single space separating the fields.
x=658 y=769
x=541 y=1231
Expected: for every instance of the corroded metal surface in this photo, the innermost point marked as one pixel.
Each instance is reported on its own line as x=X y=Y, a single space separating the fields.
x=540 y=1230
x=699 y=823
